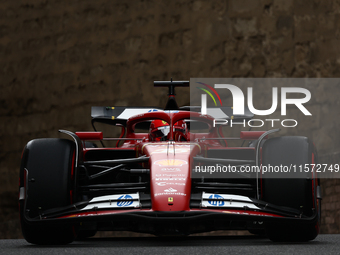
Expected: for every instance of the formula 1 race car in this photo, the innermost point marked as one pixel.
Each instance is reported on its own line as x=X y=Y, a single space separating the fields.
x=158 y=178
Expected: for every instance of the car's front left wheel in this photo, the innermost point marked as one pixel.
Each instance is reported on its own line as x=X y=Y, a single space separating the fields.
x=297 y=191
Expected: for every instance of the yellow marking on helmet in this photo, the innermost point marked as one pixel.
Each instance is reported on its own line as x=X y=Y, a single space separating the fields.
x=164 y=122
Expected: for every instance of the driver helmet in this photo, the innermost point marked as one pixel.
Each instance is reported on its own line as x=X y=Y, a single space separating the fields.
x=180 y=131
x=159 y=130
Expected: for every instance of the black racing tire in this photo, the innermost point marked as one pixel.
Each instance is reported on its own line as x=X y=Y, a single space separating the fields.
x=297 y=192
x=49 y=163
x=84 y=234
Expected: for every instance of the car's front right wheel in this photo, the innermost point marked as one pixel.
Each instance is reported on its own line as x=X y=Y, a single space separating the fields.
x=45 y=183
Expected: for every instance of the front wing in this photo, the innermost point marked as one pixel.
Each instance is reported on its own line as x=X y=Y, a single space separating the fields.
x=124 y=212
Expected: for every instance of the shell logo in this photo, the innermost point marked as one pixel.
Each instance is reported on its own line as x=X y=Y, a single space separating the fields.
x=171 y=150
x=171 y=162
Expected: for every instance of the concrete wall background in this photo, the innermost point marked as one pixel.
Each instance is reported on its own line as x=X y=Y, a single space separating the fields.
x=58 y=58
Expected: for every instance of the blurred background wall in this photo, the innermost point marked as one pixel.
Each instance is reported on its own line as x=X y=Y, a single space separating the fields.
x=59 y=58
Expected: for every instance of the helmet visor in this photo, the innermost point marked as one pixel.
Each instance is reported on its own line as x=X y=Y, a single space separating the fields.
x=161 y=131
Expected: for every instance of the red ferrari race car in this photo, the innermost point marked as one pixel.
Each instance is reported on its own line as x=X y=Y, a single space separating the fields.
x=171 y=172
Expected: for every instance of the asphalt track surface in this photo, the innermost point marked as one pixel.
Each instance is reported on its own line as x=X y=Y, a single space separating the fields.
x=323 y=244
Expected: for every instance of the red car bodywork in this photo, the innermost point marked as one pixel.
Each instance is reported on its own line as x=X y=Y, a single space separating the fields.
x=148 y=186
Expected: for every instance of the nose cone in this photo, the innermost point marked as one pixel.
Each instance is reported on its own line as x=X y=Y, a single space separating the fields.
x=171 y=184
x=170 y=176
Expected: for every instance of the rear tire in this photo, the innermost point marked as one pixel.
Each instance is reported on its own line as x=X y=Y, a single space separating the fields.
x=49 y=163
x=298 y=192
